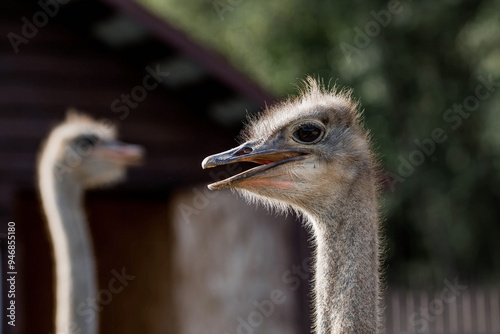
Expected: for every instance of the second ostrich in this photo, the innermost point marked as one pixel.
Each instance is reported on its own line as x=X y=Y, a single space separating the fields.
x=79 y=154
x=315 y=158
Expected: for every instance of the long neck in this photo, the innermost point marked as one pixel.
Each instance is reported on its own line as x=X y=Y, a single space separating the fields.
x=73 y=254
x=347 y=264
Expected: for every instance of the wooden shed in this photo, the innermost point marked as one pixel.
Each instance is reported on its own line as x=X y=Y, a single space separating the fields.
x=200 y=261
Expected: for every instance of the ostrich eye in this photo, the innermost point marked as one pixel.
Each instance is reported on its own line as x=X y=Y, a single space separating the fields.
x=308 y=133
x=86 y=142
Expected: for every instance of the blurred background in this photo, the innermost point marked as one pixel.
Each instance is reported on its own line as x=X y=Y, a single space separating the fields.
x=427 y=75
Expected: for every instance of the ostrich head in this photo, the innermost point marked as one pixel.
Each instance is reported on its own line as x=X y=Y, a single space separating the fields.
x=86 y=151
x=310 y=148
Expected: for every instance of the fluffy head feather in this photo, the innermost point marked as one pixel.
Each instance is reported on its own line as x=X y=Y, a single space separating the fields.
x=313 y=99
x=341 y=157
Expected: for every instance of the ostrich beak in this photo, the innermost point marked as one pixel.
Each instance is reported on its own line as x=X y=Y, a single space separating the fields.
x=266 y=154
x=121 y=153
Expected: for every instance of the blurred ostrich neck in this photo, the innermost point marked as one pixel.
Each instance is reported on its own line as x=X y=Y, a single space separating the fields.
x=73 y=253
x=346 y=286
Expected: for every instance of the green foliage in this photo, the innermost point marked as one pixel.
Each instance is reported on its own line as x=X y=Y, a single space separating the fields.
x=422 y=60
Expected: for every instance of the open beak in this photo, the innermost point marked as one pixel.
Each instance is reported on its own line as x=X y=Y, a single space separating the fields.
x=265 y=154
x=121 y=153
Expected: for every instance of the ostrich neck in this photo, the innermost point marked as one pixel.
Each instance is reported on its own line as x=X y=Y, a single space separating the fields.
x=73 y=254
x=347 y=264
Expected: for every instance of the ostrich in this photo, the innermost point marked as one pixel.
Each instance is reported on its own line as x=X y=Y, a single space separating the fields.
x=315 y=158
x=78 y=154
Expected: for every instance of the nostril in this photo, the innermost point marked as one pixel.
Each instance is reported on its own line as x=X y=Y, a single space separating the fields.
x=244 y=150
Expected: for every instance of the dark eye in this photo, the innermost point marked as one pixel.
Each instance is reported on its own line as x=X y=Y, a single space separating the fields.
x=308 y=133
x=86 y=142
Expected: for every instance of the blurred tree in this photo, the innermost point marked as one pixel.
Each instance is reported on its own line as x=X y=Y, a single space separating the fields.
x=427 y=74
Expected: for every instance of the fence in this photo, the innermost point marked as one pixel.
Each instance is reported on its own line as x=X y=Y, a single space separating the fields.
x=462 y=310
